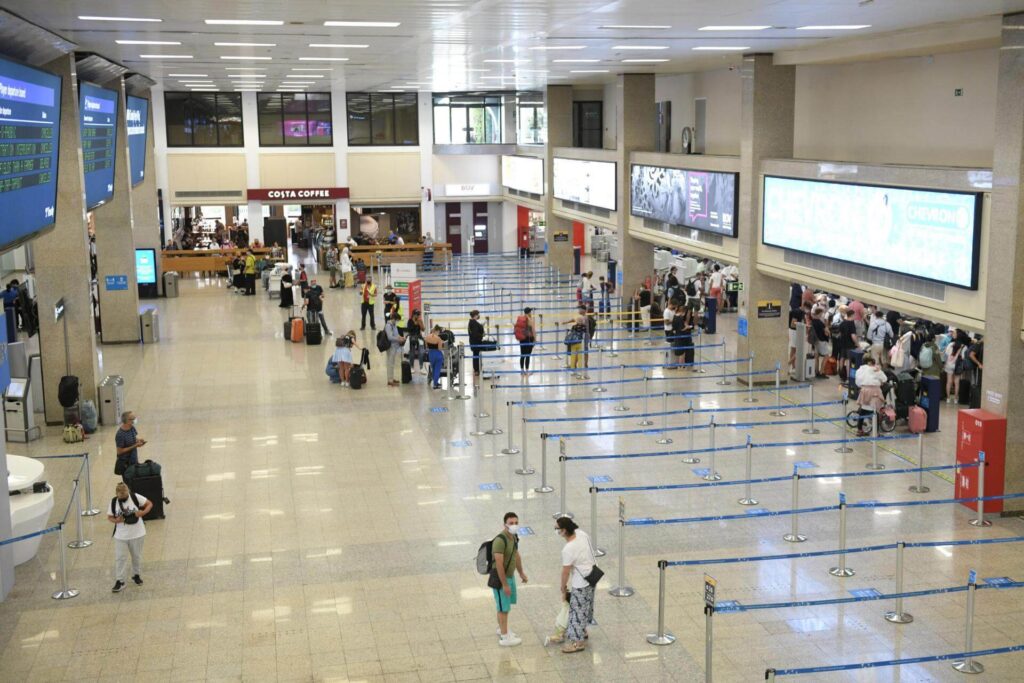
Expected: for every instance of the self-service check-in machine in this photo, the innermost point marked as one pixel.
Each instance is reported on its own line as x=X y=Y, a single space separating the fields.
x=19 y=417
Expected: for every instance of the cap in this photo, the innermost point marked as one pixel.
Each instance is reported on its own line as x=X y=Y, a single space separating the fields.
x=527 y=311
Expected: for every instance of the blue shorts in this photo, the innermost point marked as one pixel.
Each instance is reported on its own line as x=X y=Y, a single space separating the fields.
x=505 y=602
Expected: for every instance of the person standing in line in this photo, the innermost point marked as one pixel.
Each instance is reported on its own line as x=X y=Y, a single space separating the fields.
x=644 y=299
x=526 y=335
x=507 y=561
x=524 y=243
x=577 y=564
x=368 y=294
x=394 y=351
x=345 y=269
x=314 y=303
x=126 y=512
x=287 y=295
x=476 y=339
x=878 y=331
x=303 y=280
x=331 y=263
x=578 y=330
x=414 y=331
x=717 y=286
x=435 y=355
x=128 y=442
x=390 y=302
x=249 y=270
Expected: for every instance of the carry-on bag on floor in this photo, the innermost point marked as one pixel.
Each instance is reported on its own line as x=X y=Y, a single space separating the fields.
x=917 y=419
x=349 y=280
x=356 y=377
x=964 y=398
x=288 y=324
x=298 y=330
x=152 y=488
x=974 y=401
x=314 y=335
x=406 y=372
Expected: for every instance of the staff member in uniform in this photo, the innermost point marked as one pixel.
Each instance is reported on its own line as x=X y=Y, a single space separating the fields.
x=368 y=292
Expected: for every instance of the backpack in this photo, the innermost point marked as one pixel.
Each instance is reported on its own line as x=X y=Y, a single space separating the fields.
x=926 y=357
x=485 y=556
x=383 y=343
x=67 y=391
x=520 y=329
x=74 y=433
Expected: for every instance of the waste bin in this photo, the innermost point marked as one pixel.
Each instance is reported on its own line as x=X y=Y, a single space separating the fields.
x=149 y=320
x=111 y=392
x=171 y=284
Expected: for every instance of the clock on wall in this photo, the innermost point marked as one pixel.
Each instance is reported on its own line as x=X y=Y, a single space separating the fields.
x=687 y=140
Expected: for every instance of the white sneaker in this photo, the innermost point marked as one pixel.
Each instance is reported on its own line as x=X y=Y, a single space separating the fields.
x=510 y=632
x=510 y=640
x=423 y=371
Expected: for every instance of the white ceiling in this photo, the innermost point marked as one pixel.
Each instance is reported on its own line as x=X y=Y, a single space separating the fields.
x=444 y=44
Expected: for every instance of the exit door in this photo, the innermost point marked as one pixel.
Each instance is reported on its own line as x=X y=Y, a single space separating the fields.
x=479 y=227
x=453 y=226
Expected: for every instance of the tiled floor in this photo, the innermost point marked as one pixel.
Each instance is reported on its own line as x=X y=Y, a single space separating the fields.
x=318 y=533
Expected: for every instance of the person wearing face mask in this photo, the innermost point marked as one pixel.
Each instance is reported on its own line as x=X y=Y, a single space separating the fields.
x=126 y=512
x=128 y=443
x=577 y=564
x=507 y=561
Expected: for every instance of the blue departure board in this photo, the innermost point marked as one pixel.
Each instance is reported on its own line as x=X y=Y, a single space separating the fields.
x=29 y=143
x=137 y=120
x=98 y=111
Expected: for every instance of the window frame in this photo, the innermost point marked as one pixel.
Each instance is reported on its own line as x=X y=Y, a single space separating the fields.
x=481 y=104
x=369 y=116
x=187 y=97
x=305 y=101
x=578 y=116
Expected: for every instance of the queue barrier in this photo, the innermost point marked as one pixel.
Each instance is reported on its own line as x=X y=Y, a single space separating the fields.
x=772 y=674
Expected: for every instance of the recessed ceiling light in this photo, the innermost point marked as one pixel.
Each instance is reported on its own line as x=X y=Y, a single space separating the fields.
x=94 y=18
x=505 y=61
x=640 y=47
x=165 y=56
x=658 y=27
x=733 y=28
x=303 y=76
x=391 y=90
x=323 y=59
x=188 y=75
x=365 y=24
x=147 y=42
x=589 y=71
x=721 y=48
x=245 y=44
x=559 y=47
x=250 y=77
x=246 y=58
x=643 y=61
x=244 y=68
x=243 y=22
x=839 y=27
x=299 y=83
x=339 y=45
x=575 y=61
x=295 y=68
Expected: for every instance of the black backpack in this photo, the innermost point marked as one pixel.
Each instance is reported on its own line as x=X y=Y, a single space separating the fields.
x=67 y=391
x=383 y=343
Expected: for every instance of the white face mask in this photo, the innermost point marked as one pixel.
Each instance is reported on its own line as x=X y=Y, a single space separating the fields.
x=513 y=529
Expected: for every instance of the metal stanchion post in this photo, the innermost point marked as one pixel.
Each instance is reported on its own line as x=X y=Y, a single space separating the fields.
x=598 y=550
x=794 y=535
x=665 y=439
x=480 y=412
x=980 y=519
x=461 y=366
x=920 y=487
x=968 y=665
x=725 y=381
x=810 y=407
x=691 y=431
x=544 y=486
x=698 y=363
x=645 y=421
x=843 y=448
x=622 y=589
x=842 y=570
x=778 y=412
x=494 y=411
x=621 y=407
x=874 y=465
x=89 y=510
x=750 y=381
x=712 y=475
x=898 y=616
x=662 y=637
x=709 y=641
x=747 y=498
x=449 y=363
x=564 y=512
x=510 y=449
x=558 y=346
x=79 y=541
x=64 y=593
x=600 y=389
x=525 y=470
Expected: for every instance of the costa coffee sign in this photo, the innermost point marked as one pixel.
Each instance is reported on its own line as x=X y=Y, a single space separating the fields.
x=298 y=193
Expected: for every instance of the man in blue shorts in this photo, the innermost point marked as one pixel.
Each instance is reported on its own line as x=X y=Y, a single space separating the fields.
x=507 y=561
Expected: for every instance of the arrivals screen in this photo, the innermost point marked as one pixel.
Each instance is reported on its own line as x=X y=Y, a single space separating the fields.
x=98 y=110
x=703 y=200
x=525 y=174
x=145 y=266
x=138 y=122
x=929 y=234
x=587 y=182
x=29 y=142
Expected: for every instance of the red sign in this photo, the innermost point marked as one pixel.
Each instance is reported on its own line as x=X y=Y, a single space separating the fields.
x=297 y=194
x=415 y=296
x=979 y=431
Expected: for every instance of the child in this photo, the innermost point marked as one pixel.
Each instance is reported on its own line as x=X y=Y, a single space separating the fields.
x=561 y=623
x=348 y=343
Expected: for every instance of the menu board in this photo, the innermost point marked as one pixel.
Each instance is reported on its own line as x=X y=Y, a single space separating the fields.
x=587 y=182
x=137 y=120
x=29 y=143
x=525 y=174
x=702 y=200
x=98 y=111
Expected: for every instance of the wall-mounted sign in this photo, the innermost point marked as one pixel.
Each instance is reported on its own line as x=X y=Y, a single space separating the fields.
x=769 y=309
x=58 y=310
x=296 y=193
x=116 y=283
x=468 y=190
x=561 y=236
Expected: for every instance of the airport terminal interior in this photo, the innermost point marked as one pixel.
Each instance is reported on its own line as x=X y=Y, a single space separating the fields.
x=313 y=310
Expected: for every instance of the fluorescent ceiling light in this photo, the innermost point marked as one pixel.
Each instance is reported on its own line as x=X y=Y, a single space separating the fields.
x=188 y=75
x=126 y=19
x=244 y=68
x=839 y=27
x=245 y=44
x=733 y=28
x=147 y=42
x=721 y=48
x=323 y=59
x=165 y=56
x=589 y=71
x=340 y=45
x=246 y=58
x=640 y=47
x=659 y=27
x=643 y=61
x=365 y=24
x=391 y=90
x=317 y=69
x=576 y=61
x=243 y=22
x=559 y=47
x=249 y=76
x=289 y=83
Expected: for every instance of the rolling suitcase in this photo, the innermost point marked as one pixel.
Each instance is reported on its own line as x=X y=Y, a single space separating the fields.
x=298 y=330
x=356 y=377
x=152 y=488
x=917 y=419
x=314 y=335
x=406 y=372
x=965 y=392
x=349 y=280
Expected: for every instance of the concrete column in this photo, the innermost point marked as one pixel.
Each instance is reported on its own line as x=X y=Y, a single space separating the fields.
x=636 y=130
x=426 y=119
x=1002 y=388
x=251 y=133
x=62 y=263
x=145 y=212
x=559 y=104
x=115 y=243
x=766 y=133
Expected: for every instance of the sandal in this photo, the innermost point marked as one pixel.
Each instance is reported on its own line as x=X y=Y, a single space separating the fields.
x=578 y=646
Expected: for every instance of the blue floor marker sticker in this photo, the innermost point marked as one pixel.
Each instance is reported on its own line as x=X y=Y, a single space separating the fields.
x=440 y=409
x=727 y=606
x=701 y=471
x=600 y=479
x=865 y=593
x=462 y=443
x=526 y=531
x=494 y=486
x=998 y=581
x=868 y=502
x=804 y=465
x=756 y=511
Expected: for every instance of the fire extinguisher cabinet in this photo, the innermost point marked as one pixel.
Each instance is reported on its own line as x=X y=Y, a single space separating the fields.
x=981 y=431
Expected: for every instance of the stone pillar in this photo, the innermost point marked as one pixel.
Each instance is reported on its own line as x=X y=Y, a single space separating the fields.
x=145 y=212
x=115 y=243
x=1002 y=388
x=636 y=130
x=559 y=104
x=766 y=133
x=62 y=263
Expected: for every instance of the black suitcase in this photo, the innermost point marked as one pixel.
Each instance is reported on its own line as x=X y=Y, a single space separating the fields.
x=357 y=377
x=965 y=392
x=314 y=335
x=975 y=397
x=406 y=372
x=152 y=488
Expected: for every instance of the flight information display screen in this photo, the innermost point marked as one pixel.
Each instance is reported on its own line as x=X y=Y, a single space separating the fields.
x=98 y=111
x=29 y=143
x=703 y=200
x=138 y=129
x=587 y=182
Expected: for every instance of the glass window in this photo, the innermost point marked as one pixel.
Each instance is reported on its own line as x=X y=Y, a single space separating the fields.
x=383 y=119
x=531 y=123
x=179 y=125
x=268 y=105
x=407 y=120
x=468 y=120
x=297 y=119
x=204 y=119
x=358 y=105
x=229 y=119
x=319 y=126
x=588 y=124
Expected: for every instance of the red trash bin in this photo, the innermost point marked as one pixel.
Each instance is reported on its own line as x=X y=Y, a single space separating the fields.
x=981 y=431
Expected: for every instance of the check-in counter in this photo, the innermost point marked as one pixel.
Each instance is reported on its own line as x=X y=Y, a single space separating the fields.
x=29 y=511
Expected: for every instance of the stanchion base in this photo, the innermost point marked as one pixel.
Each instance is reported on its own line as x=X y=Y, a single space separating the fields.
x=75 y=545
x=621 y=592
x=750 y=400
x=451 y=398
x=843 y=449
x=615 y=354
x=525 y=471
x=690 y=461
x=980 y=522
x=481 y=416
x=794 y=538
x=664 y=441
x=509 y=451
x=919 y=489
x=90 y=513
x=599 y=390
x=778 y=413
x=494 y=431
x=969 y=666
x=544 y=489
x=460 y=397
x=747 y=501
x=66 y=595
x=899 y=617
x=812 y=430
x=873 y=466
x=477 y=433
x=665 y=638
x=562 y=514
x=600 y=552
x=701 y=371
x=712 y=476
x=645 y=423
x=841 y=572
x=621 y=409
x=723 y=382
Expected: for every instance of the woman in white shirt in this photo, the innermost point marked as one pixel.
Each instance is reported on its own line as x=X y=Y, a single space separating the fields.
x=577 y=564
x=126 y=512
x=869 y=379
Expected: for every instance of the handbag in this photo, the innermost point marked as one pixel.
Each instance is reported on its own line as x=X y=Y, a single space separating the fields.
x=493 y=581
x=594 y=576
x=573 y=336
x=487 y=344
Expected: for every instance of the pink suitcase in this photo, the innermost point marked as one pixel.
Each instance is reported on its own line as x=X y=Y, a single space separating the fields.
x=917 y=419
